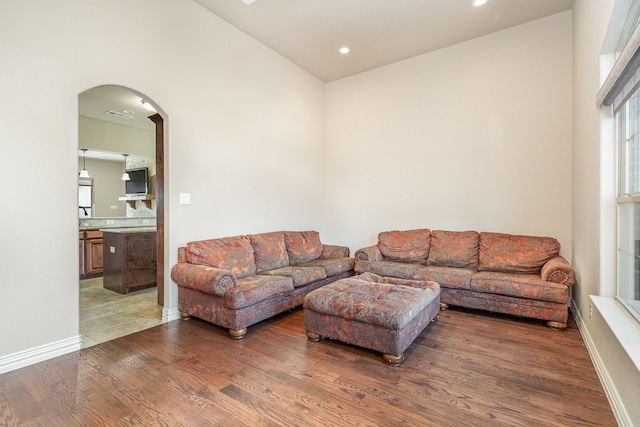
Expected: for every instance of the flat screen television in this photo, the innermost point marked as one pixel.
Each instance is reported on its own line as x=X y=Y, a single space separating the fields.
x=138 y=184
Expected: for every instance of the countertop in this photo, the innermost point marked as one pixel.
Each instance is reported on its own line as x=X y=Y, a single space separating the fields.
x=124 y=230
x=104 y=223
x=112 y=227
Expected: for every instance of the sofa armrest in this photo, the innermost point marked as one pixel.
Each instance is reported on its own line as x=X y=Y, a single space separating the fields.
x=370 y=253
x=334 y=251
x=558 y=270
x=214 y=281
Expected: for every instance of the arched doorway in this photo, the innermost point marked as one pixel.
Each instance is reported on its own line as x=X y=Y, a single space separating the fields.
x=113 y=121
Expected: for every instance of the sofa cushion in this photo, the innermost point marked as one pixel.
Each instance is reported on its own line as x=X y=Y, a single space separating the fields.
x=405 y=246
x=401 y=270
x=254 y=289
x=230 y=253
x=420 y=284
x=454 y=249
x=447 y=277
x=515 y=254
x=529 y=286
x=301 y=276
x=269 y=250
x=332 y=266
x=302 y=246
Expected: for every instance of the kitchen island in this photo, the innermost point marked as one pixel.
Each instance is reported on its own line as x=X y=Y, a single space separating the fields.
x=129 y=258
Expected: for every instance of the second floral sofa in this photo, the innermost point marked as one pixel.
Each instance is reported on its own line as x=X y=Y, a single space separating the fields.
x=519 y=275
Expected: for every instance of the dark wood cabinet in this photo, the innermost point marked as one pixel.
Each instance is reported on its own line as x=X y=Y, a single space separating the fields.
x=129 y=260
x=90 y=253
x=93 y=249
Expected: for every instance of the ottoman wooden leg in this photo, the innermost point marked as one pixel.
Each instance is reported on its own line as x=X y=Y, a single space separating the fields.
x=443 y=306
x=312 y=336
x=392 y=360
x=237 y=334
x=184 y=316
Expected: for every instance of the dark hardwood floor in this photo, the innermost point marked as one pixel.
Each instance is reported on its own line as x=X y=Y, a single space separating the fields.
x=466 y=369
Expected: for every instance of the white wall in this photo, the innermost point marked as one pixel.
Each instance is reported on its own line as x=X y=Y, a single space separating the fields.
x=594 y=216
x=474 y=136
x=244 y=135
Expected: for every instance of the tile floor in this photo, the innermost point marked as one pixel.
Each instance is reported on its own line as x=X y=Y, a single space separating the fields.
x=106 y=315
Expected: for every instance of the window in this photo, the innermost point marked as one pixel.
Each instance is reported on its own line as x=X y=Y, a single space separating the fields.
x=628 y=201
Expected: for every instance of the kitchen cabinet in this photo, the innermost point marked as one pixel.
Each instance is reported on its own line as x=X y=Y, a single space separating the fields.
x=129 y=259
x=90 y=249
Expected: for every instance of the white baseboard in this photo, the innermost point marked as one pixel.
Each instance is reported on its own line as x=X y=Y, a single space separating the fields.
x=39 y=354
x=619 y=411
x=169 y=314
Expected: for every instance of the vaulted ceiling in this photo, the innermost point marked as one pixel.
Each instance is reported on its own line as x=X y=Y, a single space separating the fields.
x=377 y=32
x=311 y=32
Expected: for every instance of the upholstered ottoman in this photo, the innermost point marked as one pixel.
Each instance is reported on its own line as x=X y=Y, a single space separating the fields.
x=379 y=313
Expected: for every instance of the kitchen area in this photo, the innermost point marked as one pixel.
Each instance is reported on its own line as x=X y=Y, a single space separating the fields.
x=117 y=225
x=122 y=252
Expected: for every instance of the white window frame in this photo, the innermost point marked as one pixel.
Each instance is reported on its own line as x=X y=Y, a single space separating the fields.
x=628 y=207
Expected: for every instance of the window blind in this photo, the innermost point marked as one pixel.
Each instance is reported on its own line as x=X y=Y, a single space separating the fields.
x=624 y=77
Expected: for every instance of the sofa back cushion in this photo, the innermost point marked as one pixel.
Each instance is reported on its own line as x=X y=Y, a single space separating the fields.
x=229 y=253
x=454 y=249
x=269 y=250
x=406 y=246
x=515 y=254
x=302 y=246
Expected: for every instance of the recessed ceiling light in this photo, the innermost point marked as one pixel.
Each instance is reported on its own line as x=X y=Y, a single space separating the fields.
x=247 y=2
x=479 y=2
x=344 y=50
x=128 y=111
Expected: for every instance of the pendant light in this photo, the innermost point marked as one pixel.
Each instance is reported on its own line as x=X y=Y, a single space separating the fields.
x=125 y=175
x=84 y=173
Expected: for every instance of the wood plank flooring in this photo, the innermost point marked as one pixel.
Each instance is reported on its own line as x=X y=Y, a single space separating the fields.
x=466 y=369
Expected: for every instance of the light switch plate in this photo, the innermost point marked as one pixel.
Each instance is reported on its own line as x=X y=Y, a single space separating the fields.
x=185 y=198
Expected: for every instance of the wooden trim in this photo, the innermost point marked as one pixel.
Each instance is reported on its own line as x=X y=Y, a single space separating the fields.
x=159 y=121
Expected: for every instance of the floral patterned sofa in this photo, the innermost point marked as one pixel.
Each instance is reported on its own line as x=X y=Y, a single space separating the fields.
x=519 y=275
x=235 y=282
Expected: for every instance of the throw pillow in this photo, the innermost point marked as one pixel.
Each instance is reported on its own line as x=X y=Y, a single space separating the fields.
x=516 y=254
x=270 y=251
x=406 y=246
x=454 y=249
x=302 y=246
